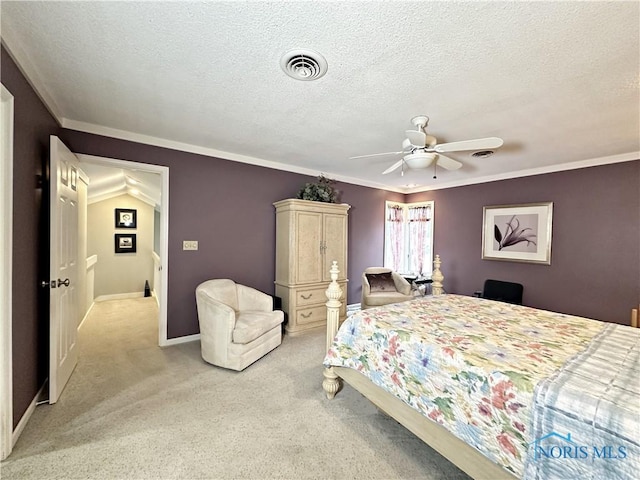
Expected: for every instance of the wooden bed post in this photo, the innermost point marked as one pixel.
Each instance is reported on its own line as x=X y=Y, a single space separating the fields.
x=331 y=383
x=437 y=277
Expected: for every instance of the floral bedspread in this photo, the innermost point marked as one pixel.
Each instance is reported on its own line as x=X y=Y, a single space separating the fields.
x=468 y=363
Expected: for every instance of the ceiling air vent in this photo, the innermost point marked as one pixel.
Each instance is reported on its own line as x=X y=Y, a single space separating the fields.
x=305 y=65
x=483 y=154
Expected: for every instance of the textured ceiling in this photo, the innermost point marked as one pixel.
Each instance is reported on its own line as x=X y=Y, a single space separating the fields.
x=558 y=81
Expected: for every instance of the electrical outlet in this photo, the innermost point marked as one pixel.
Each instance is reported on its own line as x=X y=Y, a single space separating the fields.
x=189 y=245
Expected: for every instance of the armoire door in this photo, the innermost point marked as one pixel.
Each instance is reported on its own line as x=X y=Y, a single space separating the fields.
x=334 y=244
x=309 y=265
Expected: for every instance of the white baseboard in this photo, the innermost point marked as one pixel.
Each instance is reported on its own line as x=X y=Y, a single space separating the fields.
x=118 y=296
x=27 y=415
x=176 y=341
x=86 y=315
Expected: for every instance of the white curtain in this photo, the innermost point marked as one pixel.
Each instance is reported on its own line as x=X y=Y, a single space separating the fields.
x=419 y=218
x=395 y=223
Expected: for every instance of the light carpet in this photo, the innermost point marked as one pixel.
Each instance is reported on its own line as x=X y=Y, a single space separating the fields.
x=133 y=410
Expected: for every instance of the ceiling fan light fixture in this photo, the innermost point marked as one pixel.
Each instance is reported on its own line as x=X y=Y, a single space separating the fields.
x=420 y=159
x=303 y=64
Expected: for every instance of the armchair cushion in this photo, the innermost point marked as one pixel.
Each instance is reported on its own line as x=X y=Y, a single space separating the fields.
x=253 y=324
x=381 y=282
x=385 y=298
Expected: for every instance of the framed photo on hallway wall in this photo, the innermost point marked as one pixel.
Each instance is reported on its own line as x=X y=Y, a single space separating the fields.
x=125 y=242
x=518 y=233
x=126 y=218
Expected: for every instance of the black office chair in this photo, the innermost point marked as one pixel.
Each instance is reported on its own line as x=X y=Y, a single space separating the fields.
x=508 y=292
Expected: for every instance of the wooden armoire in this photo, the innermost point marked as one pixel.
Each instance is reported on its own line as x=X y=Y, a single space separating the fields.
x=309 y=236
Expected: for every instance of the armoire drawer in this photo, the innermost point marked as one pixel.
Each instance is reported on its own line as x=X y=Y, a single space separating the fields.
x=312 y=296
x=316 y=314
x=311 y=315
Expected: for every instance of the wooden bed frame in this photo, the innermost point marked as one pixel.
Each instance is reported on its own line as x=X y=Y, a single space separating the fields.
x=464 y=456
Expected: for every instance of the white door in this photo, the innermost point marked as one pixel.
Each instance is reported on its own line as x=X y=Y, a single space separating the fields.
x=63 y=321
x=6 y=252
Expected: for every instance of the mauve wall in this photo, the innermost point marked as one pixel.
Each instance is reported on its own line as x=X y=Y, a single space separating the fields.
x=228 y=207
x=595 y=252
x=595 y=268
x=30 y=324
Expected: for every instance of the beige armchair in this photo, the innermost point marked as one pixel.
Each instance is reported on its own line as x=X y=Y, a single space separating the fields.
x=237 y=323
x=381 y=286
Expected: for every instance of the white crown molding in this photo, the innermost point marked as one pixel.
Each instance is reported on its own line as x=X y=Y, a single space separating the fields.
x=211 y=152
x=105 y=196
x=173 y=145
x=561 y=167
x=119 y=193
x=29 y=70
x=143 y=197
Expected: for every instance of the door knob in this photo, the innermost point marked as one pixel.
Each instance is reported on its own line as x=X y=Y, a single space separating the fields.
x=64 y=282
x=46 y=283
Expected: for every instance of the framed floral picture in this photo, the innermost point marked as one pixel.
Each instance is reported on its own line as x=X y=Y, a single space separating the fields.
x=518 y=233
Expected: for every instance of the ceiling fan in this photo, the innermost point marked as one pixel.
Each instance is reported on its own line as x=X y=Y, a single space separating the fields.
x=420 y=150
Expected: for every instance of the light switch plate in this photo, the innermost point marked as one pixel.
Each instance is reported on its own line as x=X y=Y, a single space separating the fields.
x=189 y=245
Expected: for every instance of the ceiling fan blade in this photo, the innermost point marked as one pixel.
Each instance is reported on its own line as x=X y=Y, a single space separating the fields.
x=448 y=163
x=393 y=167
x=417 y=138
x=478 y=144
x=375 y=155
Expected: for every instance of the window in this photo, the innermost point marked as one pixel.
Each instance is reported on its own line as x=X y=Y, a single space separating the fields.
x=408 y=237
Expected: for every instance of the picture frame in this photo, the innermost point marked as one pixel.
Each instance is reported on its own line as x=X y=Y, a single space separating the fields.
x=518 y=233
x=125 y=243
x=126 y=218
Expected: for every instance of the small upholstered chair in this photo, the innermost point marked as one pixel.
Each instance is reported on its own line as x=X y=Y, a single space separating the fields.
x=382 y=286
x=237 y=323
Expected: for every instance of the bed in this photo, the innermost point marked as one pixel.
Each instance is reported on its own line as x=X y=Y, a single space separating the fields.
x=501 y=390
